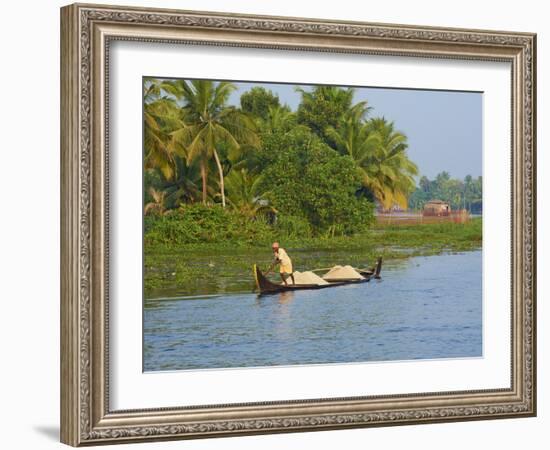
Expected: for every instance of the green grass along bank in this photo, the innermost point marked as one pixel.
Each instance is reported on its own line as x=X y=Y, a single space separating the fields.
x=190 y=252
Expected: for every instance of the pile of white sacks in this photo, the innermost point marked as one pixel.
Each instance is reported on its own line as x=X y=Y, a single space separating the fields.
x=337 y=273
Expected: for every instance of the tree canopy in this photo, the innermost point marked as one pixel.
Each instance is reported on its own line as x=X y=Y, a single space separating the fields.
x=461 y=194
x=318 y=169
x=308 y=179
x=257 y=102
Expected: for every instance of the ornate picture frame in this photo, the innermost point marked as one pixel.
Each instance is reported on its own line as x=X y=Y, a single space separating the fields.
x=86 y=34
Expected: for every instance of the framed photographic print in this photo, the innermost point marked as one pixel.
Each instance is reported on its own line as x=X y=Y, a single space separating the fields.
x=276 y=224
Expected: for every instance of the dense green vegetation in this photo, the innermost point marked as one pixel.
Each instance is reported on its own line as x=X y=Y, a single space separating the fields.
x=197 y=226
x=223 y=182
x=317 y=170
x=461 y=194
x=191 y=265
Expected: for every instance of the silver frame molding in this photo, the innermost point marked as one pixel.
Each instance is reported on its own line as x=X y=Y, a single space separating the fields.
x=86 y=31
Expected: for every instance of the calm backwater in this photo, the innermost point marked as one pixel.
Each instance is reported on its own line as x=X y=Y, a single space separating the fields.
x=423 y=308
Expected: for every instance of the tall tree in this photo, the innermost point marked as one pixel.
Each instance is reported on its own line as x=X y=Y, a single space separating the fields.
x=209 y=123
x=160 y=116
x=424 y=183
x=460 y=194
x=323 y=107
x=309 y=180
x=351 y=137
x=379 y=152
x=389 y=173
x=258 y=100
x=279 y=118
x=185 y=185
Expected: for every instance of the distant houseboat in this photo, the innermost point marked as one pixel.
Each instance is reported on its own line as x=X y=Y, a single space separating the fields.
x=436 y=208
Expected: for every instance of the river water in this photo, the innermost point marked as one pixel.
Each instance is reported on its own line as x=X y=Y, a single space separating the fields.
x=422 y=308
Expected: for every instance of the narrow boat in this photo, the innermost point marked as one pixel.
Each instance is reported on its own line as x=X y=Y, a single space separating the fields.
x=265 y=286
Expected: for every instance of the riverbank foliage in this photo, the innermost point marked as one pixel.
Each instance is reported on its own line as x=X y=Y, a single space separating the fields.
x=216 y=267
x=317 y=170
x=460 y=194
x=223 y=181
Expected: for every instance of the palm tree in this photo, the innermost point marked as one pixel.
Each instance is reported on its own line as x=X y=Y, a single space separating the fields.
x=161 y=116
x=157 y=206
x=243 y=191
x=184 y=187
x=209 y=122
x=380 y=154
x=352 y=137
x=392 y=173
x=424 y=184
x=279 y=118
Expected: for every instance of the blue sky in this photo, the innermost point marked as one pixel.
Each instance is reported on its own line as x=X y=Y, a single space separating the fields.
x=444 y=129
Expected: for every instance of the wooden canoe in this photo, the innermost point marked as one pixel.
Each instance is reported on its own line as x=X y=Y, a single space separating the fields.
x=265 y=286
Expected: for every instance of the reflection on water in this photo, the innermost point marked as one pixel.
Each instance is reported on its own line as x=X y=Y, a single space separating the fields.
x=425 y=307
x=285 y=297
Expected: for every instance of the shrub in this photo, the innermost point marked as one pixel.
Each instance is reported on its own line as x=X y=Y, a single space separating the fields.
x=308 y=179
x=292 y=227
x=197 y=223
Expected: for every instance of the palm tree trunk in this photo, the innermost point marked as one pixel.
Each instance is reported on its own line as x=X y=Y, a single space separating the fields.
x=203 y=176
x=220 y=171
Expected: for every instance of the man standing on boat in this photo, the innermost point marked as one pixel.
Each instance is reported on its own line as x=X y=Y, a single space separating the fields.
x=284 y=261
